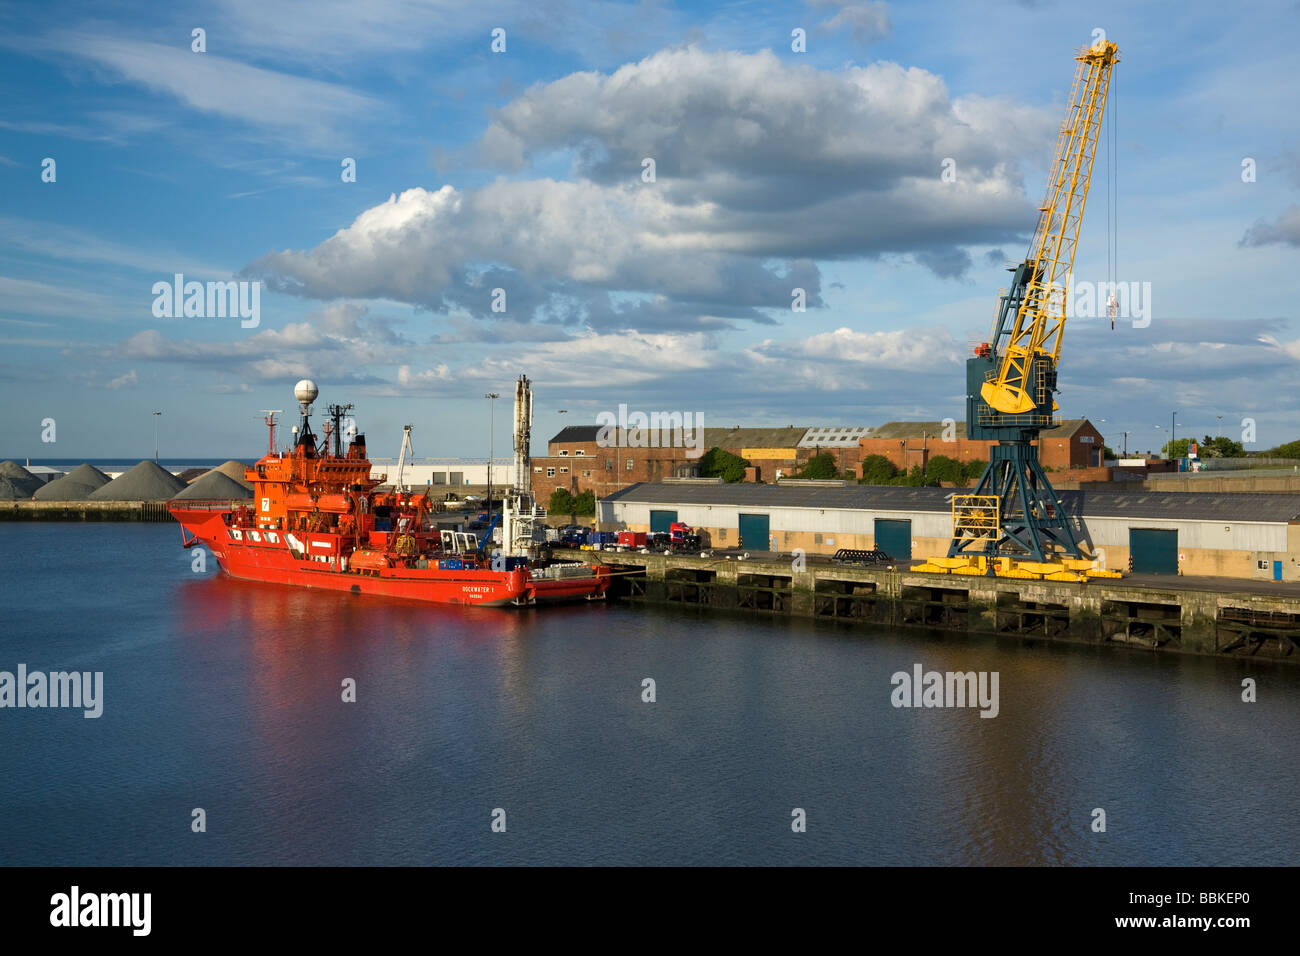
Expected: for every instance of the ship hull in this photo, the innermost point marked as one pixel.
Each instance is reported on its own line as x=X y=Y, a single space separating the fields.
x=272 y=561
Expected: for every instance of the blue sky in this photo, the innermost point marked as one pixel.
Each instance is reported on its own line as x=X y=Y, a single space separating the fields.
x=522 y=170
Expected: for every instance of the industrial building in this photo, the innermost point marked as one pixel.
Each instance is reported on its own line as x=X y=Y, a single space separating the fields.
x=446 y=474
x=1071 y=444
x=1228 y=535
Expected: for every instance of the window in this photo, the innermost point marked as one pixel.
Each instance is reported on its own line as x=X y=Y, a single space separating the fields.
x=564 y=453
x=550 y=472
x=538 y=469
x=564 y=471
x=580 y=453
x=609 y=464
x=586 y=473
x=629 y=464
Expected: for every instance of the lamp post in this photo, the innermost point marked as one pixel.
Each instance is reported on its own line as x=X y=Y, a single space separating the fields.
x=492 y=407
x=1218 y=431
x=1162 y=428
x=1173 y=432
x=1126 y=444
x=155 y=437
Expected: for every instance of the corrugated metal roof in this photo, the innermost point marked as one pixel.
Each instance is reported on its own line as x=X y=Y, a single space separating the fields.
x=734 y=439
x=1190 y=505
x=1063 y=429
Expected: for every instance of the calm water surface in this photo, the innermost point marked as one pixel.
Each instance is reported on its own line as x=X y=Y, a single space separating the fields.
x=227 y=696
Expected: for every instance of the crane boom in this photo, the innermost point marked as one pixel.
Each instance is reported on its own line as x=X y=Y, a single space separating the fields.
x=1040 y=320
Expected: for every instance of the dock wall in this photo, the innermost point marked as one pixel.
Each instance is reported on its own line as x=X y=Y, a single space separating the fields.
x=1174 y=620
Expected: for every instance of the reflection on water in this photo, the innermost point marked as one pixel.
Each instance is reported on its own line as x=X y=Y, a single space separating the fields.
x=228 y=695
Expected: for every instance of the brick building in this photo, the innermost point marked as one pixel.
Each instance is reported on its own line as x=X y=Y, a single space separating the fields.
x=1073 y=443
x=576 y=461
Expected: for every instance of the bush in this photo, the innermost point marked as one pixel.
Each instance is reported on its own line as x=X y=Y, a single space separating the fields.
x=820 y=467
x=1290 y=450
x=719 y=463
x=561 y=502
x=584 y=503
x=877 y=470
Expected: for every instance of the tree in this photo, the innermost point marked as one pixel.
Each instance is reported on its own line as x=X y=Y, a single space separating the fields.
x=820 y=467
x=584 y=503
x=561 y=502
x=720 y=463
x=1108 y=453
x=1290 y=450
x=943 y=468
x=877 y=470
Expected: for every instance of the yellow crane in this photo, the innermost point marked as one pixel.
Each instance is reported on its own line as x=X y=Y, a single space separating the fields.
x=1013 y=514
x=1040 y=320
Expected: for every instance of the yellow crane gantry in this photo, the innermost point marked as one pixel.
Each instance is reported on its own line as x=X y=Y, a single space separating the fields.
x=1041 y=317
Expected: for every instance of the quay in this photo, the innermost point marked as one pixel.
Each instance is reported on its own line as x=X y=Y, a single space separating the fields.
x=1224 y=617
x=29 y=510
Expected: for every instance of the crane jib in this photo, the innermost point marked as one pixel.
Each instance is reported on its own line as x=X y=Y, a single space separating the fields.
x=1040 y=316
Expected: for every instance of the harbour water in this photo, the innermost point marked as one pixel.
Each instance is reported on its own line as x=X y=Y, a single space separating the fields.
x=228 y=696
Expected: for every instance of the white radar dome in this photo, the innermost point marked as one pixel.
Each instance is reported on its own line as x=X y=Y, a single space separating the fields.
x=305 y=391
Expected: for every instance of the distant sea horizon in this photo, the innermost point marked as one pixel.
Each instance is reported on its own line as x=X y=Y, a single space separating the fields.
x=124 y=462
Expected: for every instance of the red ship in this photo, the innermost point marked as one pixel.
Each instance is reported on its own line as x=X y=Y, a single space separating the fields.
x=317 y=520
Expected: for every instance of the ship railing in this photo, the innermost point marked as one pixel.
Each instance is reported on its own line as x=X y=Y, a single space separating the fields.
x=206 y=504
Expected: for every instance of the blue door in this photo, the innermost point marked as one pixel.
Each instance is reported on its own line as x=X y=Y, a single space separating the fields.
x=1277 y=570
x=754 y=530
x=662 y=520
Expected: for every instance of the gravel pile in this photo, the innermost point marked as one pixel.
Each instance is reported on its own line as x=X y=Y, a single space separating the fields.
x=144 y=482
x=217 y=486
x=234 y=469
x=17 y=482
x=76 y=485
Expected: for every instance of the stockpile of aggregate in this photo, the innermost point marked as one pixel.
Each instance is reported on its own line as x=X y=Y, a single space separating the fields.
x=234 y=469
x=216 y=485
x=143 y=482
x=17 y=482
x=76 y=485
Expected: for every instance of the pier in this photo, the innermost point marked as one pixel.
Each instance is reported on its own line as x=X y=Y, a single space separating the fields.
x=1174 y=614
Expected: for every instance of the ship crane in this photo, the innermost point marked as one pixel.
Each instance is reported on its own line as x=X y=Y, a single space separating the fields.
x=401 y=456
x=1011 y=380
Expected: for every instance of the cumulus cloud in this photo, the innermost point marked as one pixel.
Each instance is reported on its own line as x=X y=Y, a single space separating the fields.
x=1284 y=230
x=762 y=167
x=129 y=380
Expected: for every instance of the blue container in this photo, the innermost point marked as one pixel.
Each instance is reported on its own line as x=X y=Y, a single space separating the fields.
x=452 y=564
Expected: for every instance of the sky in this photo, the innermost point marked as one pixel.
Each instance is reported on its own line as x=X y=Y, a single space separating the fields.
x=619 y=200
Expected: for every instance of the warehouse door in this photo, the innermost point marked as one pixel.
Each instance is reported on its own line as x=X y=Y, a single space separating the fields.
x=660 y=520
x=753 y=532
x=1153 y=551
x=894 y=537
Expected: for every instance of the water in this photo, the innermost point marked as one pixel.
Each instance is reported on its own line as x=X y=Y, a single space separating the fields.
x=227 y=696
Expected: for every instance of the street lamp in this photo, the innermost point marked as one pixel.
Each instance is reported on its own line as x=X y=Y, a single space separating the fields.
x=492 y=407
x=1218 y=431
x=155 y=437
x=1126 y=444
x=1162 y=451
